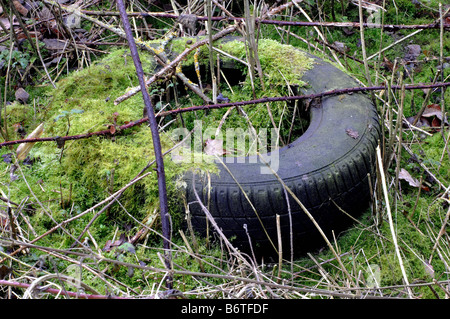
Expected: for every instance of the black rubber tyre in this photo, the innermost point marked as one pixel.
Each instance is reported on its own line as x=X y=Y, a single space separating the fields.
x=327 y=169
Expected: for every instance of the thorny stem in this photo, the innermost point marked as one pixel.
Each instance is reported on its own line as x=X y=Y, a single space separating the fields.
x=223 y=105
x=433 y=25
x=155 y=137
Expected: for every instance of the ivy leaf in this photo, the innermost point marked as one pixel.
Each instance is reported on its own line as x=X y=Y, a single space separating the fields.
x=352 y=133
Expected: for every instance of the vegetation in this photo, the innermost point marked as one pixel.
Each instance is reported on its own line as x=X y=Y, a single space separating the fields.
x=58 y=214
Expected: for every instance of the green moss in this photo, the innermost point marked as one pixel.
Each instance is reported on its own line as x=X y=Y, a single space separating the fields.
x=18 y=116
x=280 y=63
x=82 y=173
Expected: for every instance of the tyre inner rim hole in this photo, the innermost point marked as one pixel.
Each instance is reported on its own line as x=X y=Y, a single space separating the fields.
x=295 y=118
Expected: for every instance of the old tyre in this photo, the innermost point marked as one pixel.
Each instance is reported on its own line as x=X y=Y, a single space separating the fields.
x=327 y=168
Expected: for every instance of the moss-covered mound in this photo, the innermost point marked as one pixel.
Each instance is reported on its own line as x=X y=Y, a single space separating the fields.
x=82 y=172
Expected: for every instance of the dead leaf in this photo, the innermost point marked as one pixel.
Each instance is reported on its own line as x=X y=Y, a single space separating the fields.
x=435 y=122
x=352 y=133
x=4 y=221
x=22 y=96
x=429 y=269
x=422 y=122
x=412 y=52
x=405 y=175
x=188 y=21
x=32 y=34
x=54 y=44
x=20 y=8
x=112 y=129
x=214 y=147
x=4 y=271
x=388 y=65
x=434 y=110
x=110 y=245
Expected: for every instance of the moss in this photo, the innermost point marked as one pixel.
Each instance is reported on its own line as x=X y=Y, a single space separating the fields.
x=19 y=117
x=281 y=63
x=82 y=173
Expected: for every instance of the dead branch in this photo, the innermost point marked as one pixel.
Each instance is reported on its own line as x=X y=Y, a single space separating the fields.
x=107 y=132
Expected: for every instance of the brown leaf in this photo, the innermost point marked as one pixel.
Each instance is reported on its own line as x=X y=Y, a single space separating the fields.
x=388 y=65
x=32 y=34
x=4 y=271
x=352 y=133
x=432 y=110
x=405 y=175
x=110 y=245
x=20 y=8
x=435 y=122
x=420 y=123
x=3 y=220
x=112 y=129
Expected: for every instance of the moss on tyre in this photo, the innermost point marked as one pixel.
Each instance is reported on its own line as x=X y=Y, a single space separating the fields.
x=327 y=169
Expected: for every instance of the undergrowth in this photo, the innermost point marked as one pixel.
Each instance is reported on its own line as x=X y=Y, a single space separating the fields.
x=60 y=182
